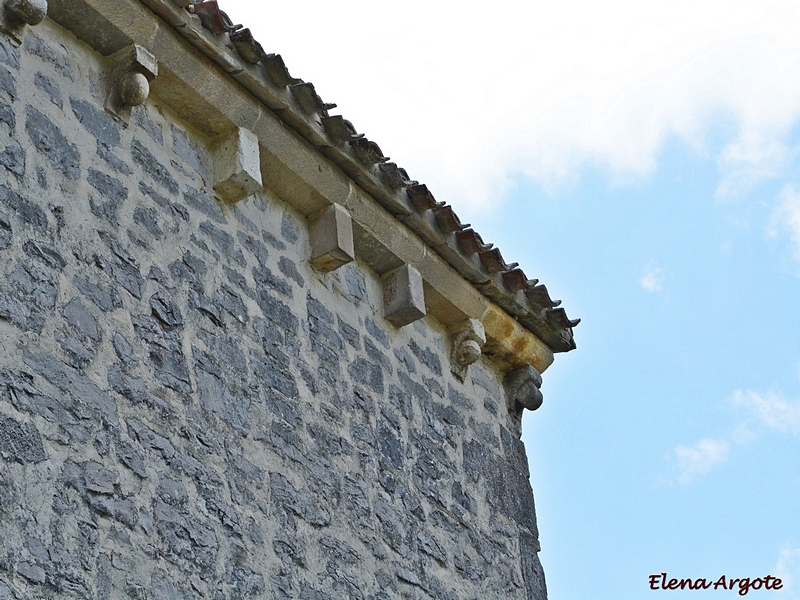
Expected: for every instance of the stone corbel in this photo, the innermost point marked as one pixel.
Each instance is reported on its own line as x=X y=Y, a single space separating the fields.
x=16 y=14
x=403 y=296
x=522 y=388
x=331 y=234
x=132 y=70
x=468 y=339
x=237 y=166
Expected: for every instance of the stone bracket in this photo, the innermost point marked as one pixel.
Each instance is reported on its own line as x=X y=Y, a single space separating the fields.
x=522 y=388
x=16 y=14
x=132 y=70
x=403 y=296
x=237 y=166
x=467 y=339
x=331 y=234
x=381 y=242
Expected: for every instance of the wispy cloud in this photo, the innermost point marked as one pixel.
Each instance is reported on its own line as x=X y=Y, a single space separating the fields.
x=771 y=410
x=749 y=160
x=788 y=570
x=649 y=76
x=785 y=219
x=700 y=458
x=652 y=280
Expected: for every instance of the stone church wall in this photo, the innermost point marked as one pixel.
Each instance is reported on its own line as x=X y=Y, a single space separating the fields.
x=189 y=410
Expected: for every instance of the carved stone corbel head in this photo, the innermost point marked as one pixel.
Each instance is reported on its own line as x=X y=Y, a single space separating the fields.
x=522 y=388
x=132 y=70
x=17 y=14
x=468 y=339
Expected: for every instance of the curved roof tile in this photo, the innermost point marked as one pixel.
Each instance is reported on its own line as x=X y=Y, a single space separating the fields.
x=465 y=250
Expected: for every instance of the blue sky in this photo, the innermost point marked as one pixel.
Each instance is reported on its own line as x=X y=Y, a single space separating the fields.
x=669 y=440
x=642 y=161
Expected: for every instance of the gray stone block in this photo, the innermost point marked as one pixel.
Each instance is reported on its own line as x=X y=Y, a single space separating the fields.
x=190 y=151
x=26 y=210
x=45 y=84
x=237 y=166
x=9 y=55
x=20 y=442
x=13 y=158
x=96 y=121
x=32 y=572
x=403 y=296
x=224 y=241
x=153 y=167
x=205 y=204
x=48 y=139
x=81 y=319
x=45 y=254
x=331 y=236
x=93 y=402
x=8 y=83
x=5 y=232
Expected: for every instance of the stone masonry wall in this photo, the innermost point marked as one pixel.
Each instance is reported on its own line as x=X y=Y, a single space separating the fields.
x=188 y=410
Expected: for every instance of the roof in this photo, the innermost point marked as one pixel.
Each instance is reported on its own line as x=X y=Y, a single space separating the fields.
x=299 y=106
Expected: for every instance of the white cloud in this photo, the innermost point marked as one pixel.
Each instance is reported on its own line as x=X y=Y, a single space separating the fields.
x=772 y=410
x=788 y=570
x=785 y=218
x=700 y=458
x=743 y=434
x=653 y=278
x=467 y=98
x=749 y=160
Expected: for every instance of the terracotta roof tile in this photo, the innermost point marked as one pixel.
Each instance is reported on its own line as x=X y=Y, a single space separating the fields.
x=363 y=160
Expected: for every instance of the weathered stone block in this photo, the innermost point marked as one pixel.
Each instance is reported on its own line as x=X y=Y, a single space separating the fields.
x=81 y=319
x=331 y=234
x=153 y=167
x=97 y=122
x=5 y=232
x=48 y=139
x=31 y=12
x=20 y=441
x=237 y=166
x=403 y=296
x=13 y=158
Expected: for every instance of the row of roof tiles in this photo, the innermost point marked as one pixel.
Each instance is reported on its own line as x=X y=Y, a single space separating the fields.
x=480 y=263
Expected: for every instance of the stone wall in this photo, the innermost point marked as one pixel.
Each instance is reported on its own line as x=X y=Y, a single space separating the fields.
x=189 y=410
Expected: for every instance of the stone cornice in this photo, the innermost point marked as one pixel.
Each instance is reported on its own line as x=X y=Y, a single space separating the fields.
x=393 y=223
